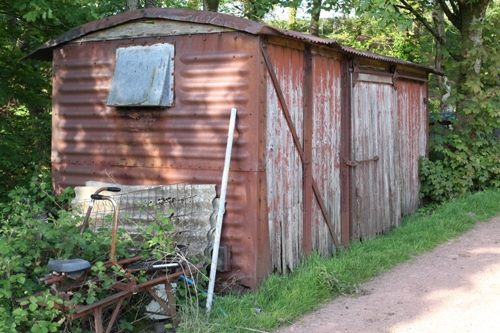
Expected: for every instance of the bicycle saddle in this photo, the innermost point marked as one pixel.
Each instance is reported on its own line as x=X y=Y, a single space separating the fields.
x=67 y=265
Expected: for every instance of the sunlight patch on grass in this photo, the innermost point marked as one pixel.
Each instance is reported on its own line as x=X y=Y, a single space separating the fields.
x=282 y=299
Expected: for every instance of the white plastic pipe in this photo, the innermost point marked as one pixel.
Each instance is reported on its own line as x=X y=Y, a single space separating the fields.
x=221 y=210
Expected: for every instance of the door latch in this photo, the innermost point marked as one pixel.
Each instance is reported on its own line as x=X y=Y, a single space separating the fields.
x=355 y=163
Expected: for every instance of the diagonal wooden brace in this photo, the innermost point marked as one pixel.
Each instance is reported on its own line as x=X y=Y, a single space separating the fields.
x=296 y=141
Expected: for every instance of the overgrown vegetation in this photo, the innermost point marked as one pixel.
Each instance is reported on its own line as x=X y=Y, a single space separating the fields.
x=463 y=157
x=24 y=144
x=281 y=299
x=464 y=153
x=35 y=226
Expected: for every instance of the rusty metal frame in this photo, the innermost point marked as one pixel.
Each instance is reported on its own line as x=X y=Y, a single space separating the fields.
x=300 y=150
x=97 y=308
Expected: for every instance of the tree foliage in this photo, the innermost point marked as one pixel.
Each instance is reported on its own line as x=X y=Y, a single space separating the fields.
x=403 y=28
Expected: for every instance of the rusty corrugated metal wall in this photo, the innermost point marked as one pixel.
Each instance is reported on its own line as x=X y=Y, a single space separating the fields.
x=376 y=175
x=181 y=144
x=412 y=124
x=270 y=192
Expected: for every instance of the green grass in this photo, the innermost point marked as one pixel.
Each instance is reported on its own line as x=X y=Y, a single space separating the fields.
x=282 y=299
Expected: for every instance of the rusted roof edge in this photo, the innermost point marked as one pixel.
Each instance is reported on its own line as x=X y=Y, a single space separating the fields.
x=392 y=60
x=44 y=52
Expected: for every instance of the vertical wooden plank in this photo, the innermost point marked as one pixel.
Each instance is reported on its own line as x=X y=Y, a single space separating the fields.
x=412 y=126
x=284 y=168
x=345 y=152
x=377 y=203
x=308 y=110
x=325 y=149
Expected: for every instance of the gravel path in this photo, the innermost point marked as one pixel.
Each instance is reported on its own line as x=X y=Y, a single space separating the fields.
x=454 y=288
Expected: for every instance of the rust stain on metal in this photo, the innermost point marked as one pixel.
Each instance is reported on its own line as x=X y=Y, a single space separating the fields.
x=290 y=188
x=211 y=19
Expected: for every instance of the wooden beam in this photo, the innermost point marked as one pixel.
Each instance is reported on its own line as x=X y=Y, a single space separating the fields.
x=308 y=110
x=282 y=101
x=345 y=153
x=296 y=141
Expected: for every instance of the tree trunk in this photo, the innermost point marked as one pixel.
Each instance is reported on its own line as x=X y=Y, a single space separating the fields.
x=131 y=4
x=443 y=83
x=471 y=32
x=468 y=80
x=151 y=3
x=211 y=5
x=315 y=13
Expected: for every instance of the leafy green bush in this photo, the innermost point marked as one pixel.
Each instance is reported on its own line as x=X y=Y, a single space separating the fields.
x=33 y=228
x=36 y=226
x=465 y=166
x=466 y=156
x=24 y=144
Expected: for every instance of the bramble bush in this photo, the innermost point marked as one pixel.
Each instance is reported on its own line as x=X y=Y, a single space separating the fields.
x=35 y=226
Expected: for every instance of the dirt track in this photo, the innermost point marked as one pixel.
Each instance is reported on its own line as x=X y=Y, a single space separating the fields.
x=455 y=288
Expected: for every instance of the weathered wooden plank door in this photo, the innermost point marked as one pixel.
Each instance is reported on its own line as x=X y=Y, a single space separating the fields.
x=376 y=198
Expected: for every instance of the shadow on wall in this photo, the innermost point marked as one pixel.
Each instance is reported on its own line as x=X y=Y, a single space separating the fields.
x=181 y=144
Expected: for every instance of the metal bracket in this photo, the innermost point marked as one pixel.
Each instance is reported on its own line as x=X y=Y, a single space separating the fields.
x=355 y=163
x=395 y=76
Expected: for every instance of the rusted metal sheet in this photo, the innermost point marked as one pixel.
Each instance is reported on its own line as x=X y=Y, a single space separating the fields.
x=325 y=159
x=191 y=134
x=412 y=120
x=386 y=59
x=180 y=15
x=376 y=175
x=283 y=163
x=307 y=38
x=181 y=144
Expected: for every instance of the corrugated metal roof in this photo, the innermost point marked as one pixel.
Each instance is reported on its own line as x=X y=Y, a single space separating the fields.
x=392 y=60
x=306 y=37
x=44 y=52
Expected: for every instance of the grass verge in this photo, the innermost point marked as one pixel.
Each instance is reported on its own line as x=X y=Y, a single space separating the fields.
x=281 y=299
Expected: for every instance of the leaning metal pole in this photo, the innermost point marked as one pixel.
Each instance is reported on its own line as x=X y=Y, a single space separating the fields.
x=221 y=210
